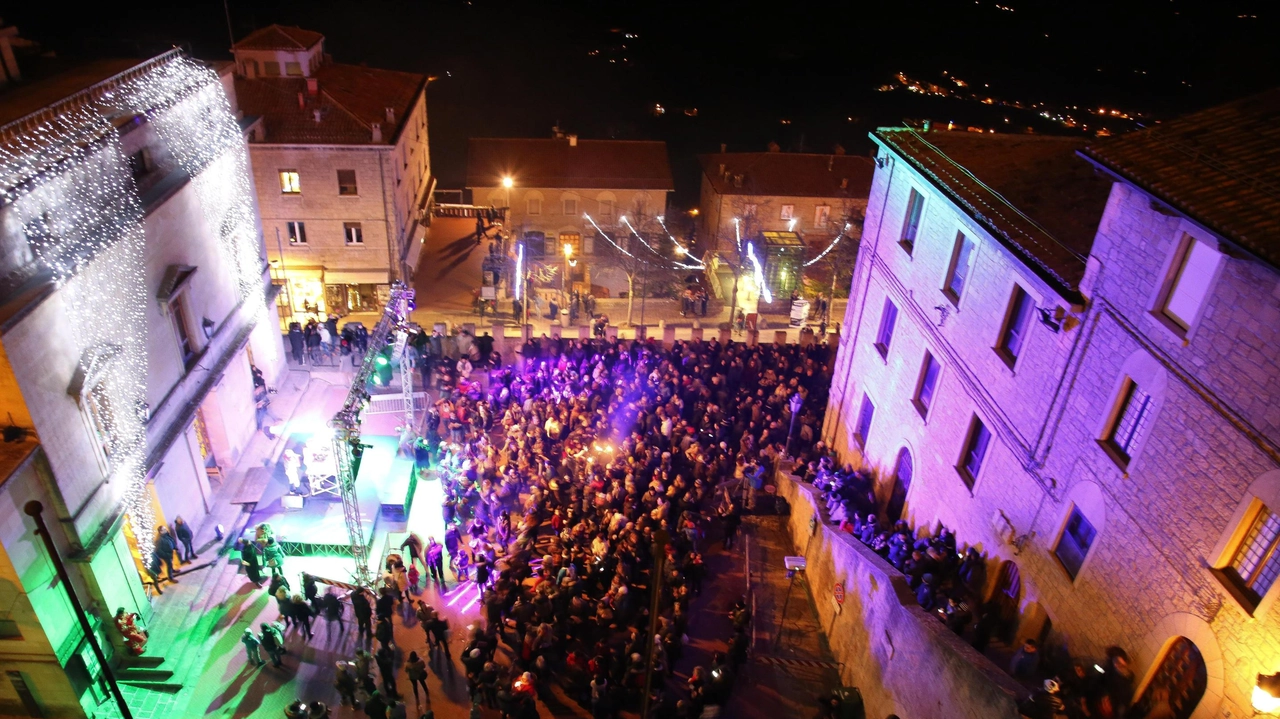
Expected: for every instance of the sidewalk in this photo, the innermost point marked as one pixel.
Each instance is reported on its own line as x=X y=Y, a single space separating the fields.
x=192 y=613
x=780 y=678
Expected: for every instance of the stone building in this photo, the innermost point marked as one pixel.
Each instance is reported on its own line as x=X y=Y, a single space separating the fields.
x=554 y=183
x=340 y=163
x=1071 y=360
x=809 y=194
x=133 y=306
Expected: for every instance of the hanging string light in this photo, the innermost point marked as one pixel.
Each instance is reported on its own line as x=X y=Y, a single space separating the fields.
x=644 y=242
x=681 y=249
x=602 y=233
x=830 y=247
x=764 y=289
x=69 y=186
x=519 y=269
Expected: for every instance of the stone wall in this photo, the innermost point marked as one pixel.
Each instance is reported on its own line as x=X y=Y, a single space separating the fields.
x=321 y=207
x=903 y=660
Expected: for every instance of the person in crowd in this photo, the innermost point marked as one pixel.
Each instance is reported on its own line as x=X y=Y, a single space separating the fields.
x=252 y=644
x=185 y=536
x=165 y=547
x=272 y=642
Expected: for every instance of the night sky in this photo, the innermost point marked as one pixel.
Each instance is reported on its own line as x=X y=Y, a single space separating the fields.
x=805 y=75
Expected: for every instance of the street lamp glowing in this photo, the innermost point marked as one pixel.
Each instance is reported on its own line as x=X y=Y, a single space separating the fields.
x=568 y=250
x=508 y=183
x=1266 y=694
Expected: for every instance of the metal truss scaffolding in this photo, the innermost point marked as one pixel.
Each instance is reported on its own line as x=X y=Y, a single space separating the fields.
x=346 y=424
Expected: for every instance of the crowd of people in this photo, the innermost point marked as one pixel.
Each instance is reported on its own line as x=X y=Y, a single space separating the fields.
x=560 y=476
x=951 y=584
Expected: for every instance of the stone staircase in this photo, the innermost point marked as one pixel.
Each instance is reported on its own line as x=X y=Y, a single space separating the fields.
x=146 y=672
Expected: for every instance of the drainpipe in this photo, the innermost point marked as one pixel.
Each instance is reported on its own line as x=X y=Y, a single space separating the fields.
x=853 y=340
x=386 y=220
x=36 y=510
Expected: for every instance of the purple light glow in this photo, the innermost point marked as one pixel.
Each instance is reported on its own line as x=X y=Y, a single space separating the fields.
x=462 y=594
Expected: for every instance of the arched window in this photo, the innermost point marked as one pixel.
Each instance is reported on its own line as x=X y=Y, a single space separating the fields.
x=901 y=484
x=1006 y=597
x=1178 y=680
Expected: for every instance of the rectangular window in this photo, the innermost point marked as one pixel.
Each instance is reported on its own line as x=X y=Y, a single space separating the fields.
x=570 y=207
x=1017 y=322
x=1131 y=418
x=911 y=223
x=606 y=208
x=929 y=371
x=186 y=347
x=290 y=183
x=975 y=450
x=958 y=271
x=270 y=68
x=353 y=232
x=293 y=69
x=1189 y=287
x=788 y=212
x=102 y=419
x=884 y=336
x=534 y=206
x=347 y=183
x=821 y=215
x=140 y=164
x=1255 y=564
x=1073 y=545
x=297 y=232
x=865 y=413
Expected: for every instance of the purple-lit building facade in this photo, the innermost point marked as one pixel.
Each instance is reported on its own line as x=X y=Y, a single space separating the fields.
x=1069 y=354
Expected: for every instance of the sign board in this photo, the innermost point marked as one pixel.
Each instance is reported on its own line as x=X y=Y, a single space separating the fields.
x=488 y=292
x=839 y=592
x=799 y=312
x=402 y=338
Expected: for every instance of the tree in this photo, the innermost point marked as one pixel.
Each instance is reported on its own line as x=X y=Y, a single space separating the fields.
x=841 y=258
x=640 y=248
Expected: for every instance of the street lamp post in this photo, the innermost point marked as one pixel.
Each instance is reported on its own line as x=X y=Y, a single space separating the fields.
x=796 y=403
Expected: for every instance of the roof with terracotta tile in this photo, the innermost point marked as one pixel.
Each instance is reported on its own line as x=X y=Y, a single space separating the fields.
x=549 y=162
x=788 y=174
x=1033 y=193
x=279 y=37
x=21 y=99
x=350 y=99
x=1220 y=167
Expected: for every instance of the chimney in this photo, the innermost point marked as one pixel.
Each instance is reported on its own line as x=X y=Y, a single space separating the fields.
x=573 y=140
x=831 y=162
x=313 y=86
x=838 y=149
x=302 y=101
x=377 y=131
x=555 y=131
x=316 y=114
x=774 y=147
x=391 y=116
x=723 y=148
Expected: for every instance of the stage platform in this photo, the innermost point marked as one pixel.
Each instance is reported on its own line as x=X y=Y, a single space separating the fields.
x=384 y=488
